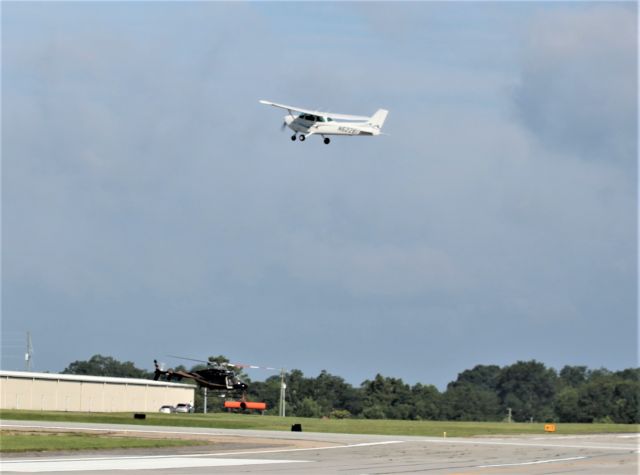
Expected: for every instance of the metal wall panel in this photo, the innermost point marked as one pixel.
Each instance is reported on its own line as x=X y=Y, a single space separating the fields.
x=50 y=392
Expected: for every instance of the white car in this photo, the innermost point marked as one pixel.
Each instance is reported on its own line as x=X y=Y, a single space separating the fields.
x=184 y=408
x=167 y=409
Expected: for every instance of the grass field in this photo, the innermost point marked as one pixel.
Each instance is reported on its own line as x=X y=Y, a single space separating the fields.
x=11 y=441
x=351 y=426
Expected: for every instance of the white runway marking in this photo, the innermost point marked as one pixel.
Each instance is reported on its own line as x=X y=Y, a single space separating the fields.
x=306 y=449
x=159 y=462
x=536 y=462
x=127 y=463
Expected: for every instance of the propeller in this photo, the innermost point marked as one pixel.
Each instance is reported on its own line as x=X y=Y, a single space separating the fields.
x=287 y=120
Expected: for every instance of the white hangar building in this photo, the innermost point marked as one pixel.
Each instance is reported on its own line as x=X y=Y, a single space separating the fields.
x=76 y=393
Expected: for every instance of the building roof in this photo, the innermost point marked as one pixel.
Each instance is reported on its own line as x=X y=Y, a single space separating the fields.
x=91 y=379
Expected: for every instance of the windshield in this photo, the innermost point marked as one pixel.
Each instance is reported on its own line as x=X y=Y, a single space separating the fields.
x=312 y=118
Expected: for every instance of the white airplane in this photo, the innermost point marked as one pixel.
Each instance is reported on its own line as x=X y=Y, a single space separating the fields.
x=307 y=122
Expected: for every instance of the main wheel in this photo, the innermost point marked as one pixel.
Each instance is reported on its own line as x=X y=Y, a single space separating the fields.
x=327 y=140
x=293 y=137
x=301 y=137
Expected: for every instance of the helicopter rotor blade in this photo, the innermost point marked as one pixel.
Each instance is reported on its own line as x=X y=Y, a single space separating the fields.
x=188 y=359
x=233 y=365
x=252 y=366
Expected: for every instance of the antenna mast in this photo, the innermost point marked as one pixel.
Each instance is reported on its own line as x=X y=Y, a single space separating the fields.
x=28 y=356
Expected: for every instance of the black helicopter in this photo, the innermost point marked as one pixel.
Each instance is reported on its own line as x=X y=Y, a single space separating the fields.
x=216 y=376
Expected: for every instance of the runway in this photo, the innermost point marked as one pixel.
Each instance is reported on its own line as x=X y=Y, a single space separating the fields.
x=269 y=452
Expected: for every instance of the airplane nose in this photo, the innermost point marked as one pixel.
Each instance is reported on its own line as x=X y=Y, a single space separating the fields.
x=288 y=119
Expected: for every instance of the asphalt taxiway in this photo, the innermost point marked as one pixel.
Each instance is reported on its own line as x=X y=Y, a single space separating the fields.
x=268 y=452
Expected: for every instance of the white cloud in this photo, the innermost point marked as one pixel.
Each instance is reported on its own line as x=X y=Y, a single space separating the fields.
x=578 y=90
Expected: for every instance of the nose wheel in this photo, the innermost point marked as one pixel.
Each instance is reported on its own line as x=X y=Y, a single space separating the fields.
x=293 y=137
x=327 y=140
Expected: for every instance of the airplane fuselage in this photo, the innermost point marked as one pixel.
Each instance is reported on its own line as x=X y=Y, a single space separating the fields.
x=322 y=126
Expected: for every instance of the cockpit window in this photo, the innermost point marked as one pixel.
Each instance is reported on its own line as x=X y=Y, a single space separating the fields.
x=315 y=118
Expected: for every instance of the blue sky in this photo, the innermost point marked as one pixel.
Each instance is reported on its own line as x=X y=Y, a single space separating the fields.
x=151 y=206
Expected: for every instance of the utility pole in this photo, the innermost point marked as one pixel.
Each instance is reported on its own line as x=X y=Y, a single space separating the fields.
x=204 y=409
x=283 y=389
x=509 y=414
x=29 y=354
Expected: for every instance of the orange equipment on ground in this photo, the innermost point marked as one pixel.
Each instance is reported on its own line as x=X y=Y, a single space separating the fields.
x=258 y=406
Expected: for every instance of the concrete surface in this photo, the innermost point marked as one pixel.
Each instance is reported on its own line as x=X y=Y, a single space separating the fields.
x=269 y=452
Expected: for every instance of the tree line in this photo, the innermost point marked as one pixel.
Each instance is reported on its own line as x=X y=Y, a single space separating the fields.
x=524 y=391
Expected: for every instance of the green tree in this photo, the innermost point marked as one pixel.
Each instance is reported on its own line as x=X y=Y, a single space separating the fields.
x=391 y=395
x=595 y=399
x=427 y=402
x=573 y=376
x=566 y=405
x=267 y=391
x=626 y=402
x=481 y=376
x=332 y=392
x=99 y=365
x=629 y=374
x=308 y=408
x=375 y=411
x=470 y=402
x=609 y=398
x=299 y=388
x=528 y=388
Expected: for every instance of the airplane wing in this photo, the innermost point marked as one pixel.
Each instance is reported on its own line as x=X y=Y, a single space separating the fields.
x=318 y=113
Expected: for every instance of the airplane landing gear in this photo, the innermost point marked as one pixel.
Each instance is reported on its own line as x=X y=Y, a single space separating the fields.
x=327 y=140
x=293 y=137
x=301 y=137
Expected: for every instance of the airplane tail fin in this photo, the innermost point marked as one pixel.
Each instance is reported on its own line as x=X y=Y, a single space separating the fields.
x=377 y=119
